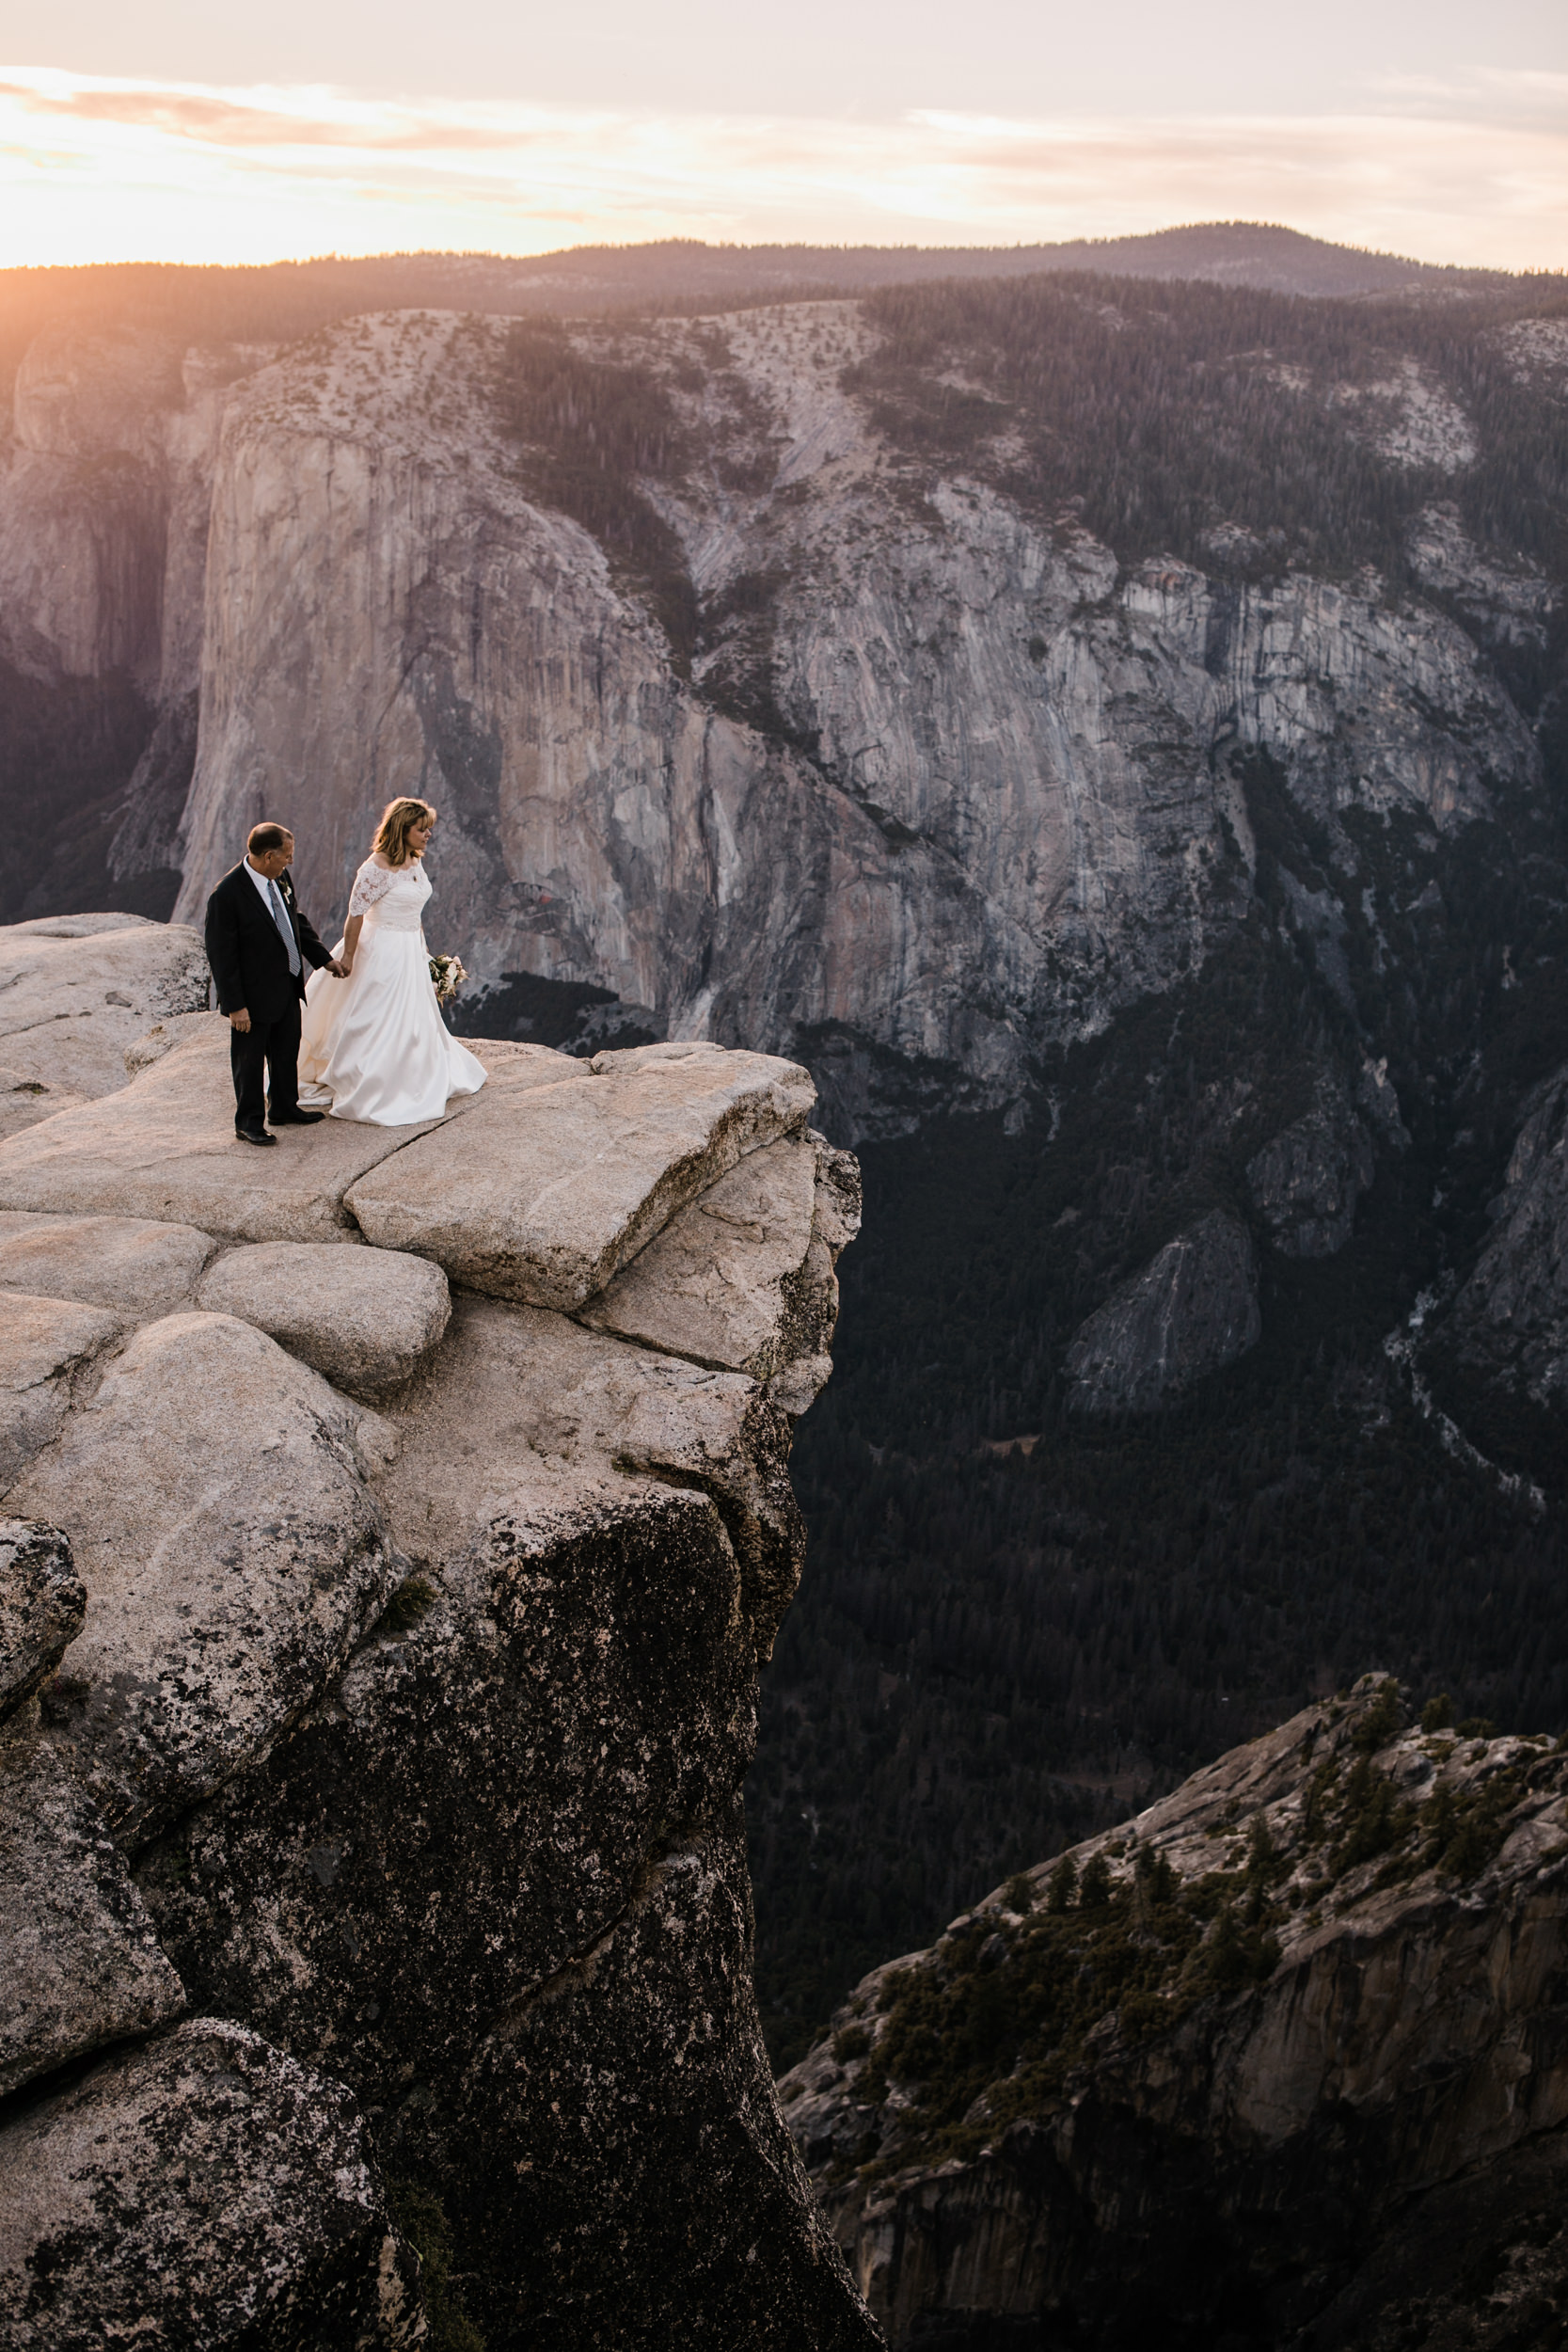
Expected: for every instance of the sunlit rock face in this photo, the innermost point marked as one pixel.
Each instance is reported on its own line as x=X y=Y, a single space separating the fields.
x=105 y=488
x=377 y=1680
x=989 y=802
x=881 y=770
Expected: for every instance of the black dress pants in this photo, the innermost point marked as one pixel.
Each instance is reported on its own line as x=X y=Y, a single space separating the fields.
x=275 y=1043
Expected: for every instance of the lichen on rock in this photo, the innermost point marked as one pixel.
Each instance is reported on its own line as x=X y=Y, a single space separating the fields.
x=406 y=1744
x=205 y=2190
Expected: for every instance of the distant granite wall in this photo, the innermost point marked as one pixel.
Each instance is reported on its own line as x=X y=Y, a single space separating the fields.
x=934 y=784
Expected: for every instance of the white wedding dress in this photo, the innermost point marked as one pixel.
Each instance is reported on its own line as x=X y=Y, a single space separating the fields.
x=374 y=1046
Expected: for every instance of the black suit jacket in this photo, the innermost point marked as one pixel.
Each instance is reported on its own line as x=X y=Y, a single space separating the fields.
x=244 y=948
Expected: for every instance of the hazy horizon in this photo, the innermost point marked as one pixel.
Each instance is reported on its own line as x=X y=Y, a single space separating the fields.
x=183 y=134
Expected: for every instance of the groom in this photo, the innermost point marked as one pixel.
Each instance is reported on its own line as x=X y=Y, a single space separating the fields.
x=258 y=944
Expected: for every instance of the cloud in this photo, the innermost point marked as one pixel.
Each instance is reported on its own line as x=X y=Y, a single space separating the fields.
x=92 y=168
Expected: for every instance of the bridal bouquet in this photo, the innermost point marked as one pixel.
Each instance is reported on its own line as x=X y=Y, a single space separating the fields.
x=448 y=976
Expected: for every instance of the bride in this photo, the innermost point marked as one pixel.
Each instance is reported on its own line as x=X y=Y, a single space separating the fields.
x=378 y=1049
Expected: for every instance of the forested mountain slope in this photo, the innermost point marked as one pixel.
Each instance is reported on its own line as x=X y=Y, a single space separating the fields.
x=1113 y=731
x=1278 y=2064
x=283 y=300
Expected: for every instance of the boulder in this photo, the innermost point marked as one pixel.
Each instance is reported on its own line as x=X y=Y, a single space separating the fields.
x=523 y=1411
x=542 y=1193
x=45 y=1345
x=79 y=1962
x=164 y=1148
x=215 y=1498
x=366 y=1319
x=1189 y=1312
x=204 y=2192
x=131 y=1263
x=77 y=990
x=43 y=1602
x=743 y=1278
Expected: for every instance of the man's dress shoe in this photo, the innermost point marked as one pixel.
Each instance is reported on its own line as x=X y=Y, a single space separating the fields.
x=254 y=1134
x=296 y=1118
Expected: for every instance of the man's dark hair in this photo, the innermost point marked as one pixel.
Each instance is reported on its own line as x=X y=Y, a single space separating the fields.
x=262 y=840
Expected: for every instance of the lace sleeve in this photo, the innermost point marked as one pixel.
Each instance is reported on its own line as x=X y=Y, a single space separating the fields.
x=371 y=886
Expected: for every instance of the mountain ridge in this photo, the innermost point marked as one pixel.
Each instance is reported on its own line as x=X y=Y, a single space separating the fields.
x=295 y=297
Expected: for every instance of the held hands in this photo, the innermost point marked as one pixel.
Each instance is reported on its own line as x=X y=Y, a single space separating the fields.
x=340 y=966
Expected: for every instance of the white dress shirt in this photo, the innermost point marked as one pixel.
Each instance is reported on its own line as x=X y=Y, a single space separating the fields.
x=265 y=889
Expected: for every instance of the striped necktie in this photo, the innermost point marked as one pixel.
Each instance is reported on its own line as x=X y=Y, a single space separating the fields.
x=280 y=917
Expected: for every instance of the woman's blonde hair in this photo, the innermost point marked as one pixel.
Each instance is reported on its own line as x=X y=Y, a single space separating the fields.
x=398 y=820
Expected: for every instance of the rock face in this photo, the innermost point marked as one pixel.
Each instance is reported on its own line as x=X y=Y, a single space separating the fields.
x=743 y=1279
x=653 y=842
x=1306 y=1181
x=1193 y=1309
x=79 y=1963
x=252 y=2174
x=43 y=1602
x=793 y=822
x=1510 y=1319
x=405 y=1746
x=1241 y=2063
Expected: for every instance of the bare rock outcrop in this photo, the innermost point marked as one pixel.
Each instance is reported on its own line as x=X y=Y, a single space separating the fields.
x=48 y=1349
x=1510 y=1319
x=162 y=1149
x=75 y=992
x=1239 y=2061
x=743 y=1279
x=43 y=1602
x=403 y=1745
x=213 y=2189
x=1306 y=1181
x=133 y=1263
x=79 y=1963
x=365 y=1319
x=560 y=1173
x=1190 y=1310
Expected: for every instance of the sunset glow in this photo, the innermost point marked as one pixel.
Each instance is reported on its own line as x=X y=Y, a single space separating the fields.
x=95 y=169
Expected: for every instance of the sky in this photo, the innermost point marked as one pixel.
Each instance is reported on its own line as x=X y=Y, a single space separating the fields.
x=178 y=131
